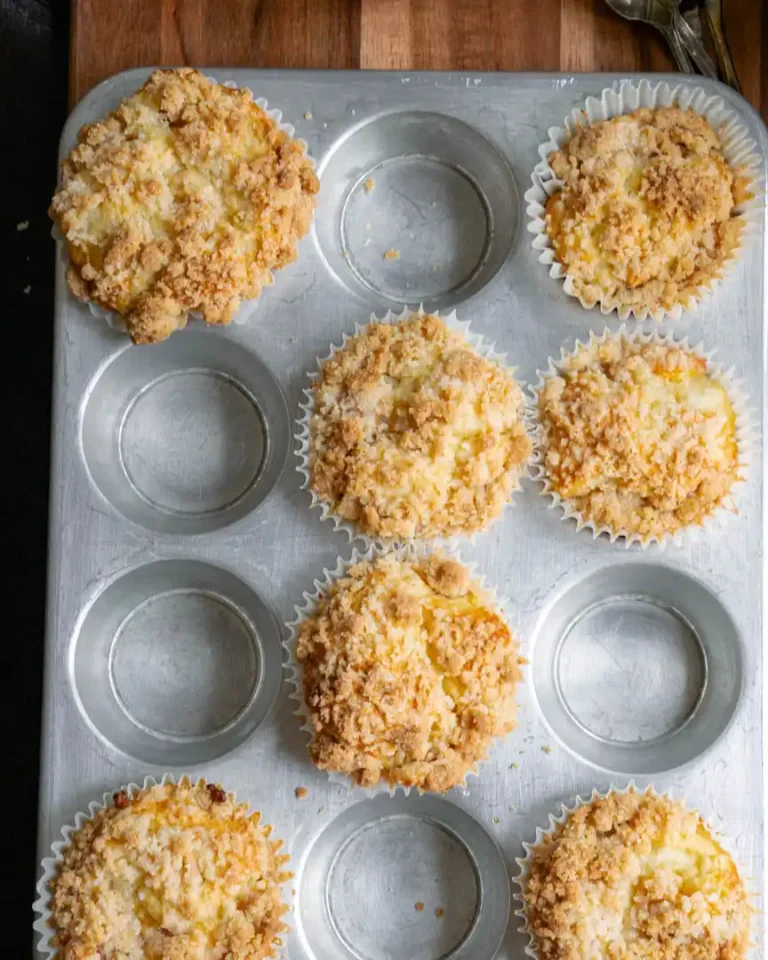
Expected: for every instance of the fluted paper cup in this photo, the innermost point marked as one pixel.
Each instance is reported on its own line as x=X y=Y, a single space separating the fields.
x=311 y=600
x=556 y=820
x=307 y=408
x=44 y=925
x=745 y=440
x=739 y=150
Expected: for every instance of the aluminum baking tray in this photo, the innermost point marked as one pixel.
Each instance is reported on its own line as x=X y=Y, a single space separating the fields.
x=171 y=572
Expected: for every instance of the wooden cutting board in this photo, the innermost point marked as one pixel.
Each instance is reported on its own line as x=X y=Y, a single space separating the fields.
x=113 y=35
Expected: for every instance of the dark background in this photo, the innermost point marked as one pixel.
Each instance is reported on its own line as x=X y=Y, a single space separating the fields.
x=33 y=106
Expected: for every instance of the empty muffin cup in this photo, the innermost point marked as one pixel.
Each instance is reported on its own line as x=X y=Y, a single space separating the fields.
x=186 y=436
x=419 y=207
x=637 y=668
x=176 y=662
x=398 y=877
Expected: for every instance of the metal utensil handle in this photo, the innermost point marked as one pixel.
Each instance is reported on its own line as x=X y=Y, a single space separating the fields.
x=678 y=50
x=712 y=13
x=693 y=46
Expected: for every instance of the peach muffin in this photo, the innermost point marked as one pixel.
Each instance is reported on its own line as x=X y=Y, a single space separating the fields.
x=646 y=216
x=414 y=434
x=635 y=877
x=638 y=437
x=174 y=871
x=409 y=673
x=185 y=198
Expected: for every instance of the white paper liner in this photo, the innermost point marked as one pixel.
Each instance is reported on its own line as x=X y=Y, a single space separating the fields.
x=247 y=307
x=520 y=880
x=307 y=409
x=43 y=925
x=295 y=669
x=745 y=439
x=739 y=149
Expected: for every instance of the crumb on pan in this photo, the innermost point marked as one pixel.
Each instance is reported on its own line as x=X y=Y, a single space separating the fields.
x=301 y=793
x=392 y=254
x=638 y=437
x=414 y=434
x=635 y=876
x=22 y=226
x=185 y=198
x=175 y=871
x=409 y=673
x=418 y=906
x=646 y=216
x=439 y=912
x=308 y=115
x=370 y=185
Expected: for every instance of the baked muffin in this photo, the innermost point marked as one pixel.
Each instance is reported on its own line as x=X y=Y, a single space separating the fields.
x=413 y=434
x=409 y=673
x=174 y=871
x=639 y=438
x=646 y=216
x=635 y=877
x=185 y=198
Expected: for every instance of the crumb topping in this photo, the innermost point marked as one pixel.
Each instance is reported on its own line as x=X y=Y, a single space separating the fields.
x=414 y=434
x=176 y=872
x=639 y=437
x=185 y=198
x=409 y=674
x=645 y=217
x=635 y=877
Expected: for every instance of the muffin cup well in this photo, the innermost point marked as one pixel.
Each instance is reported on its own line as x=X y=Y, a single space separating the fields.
x=745 y=439
x=43 y=924
x=520 y=880
x=295 y=669
x=247 y=307
x=739 y=150
x=307 y=409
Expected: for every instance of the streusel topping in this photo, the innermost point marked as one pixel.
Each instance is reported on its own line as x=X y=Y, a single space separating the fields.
x=175 y=872
x=645 y=217
x=414 y=434
x=635 y=877
x=409 y=673
x=185 y=198
x=638 y=437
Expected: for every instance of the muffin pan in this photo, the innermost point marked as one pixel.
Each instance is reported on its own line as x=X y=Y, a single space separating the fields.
x=179 y=544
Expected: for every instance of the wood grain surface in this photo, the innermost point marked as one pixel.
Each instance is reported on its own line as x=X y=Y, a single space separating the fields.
x=113 y=35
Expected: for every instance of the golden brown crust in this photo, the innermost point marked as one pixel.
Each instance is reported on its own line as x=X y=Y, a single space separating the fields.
x=646 y=214
x=414 y=434
x=409 y=674
x=185 y=198
x=638 y=437
x=635 y=877
x=175 y=872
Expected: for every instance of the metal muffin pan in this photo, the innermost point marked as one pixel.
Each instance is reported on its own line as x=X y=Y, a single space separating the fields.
x=178 y=547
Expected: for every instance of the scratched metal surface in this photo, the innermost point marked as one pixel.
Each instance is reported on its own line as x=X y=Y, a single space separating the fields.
x=279 y=546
